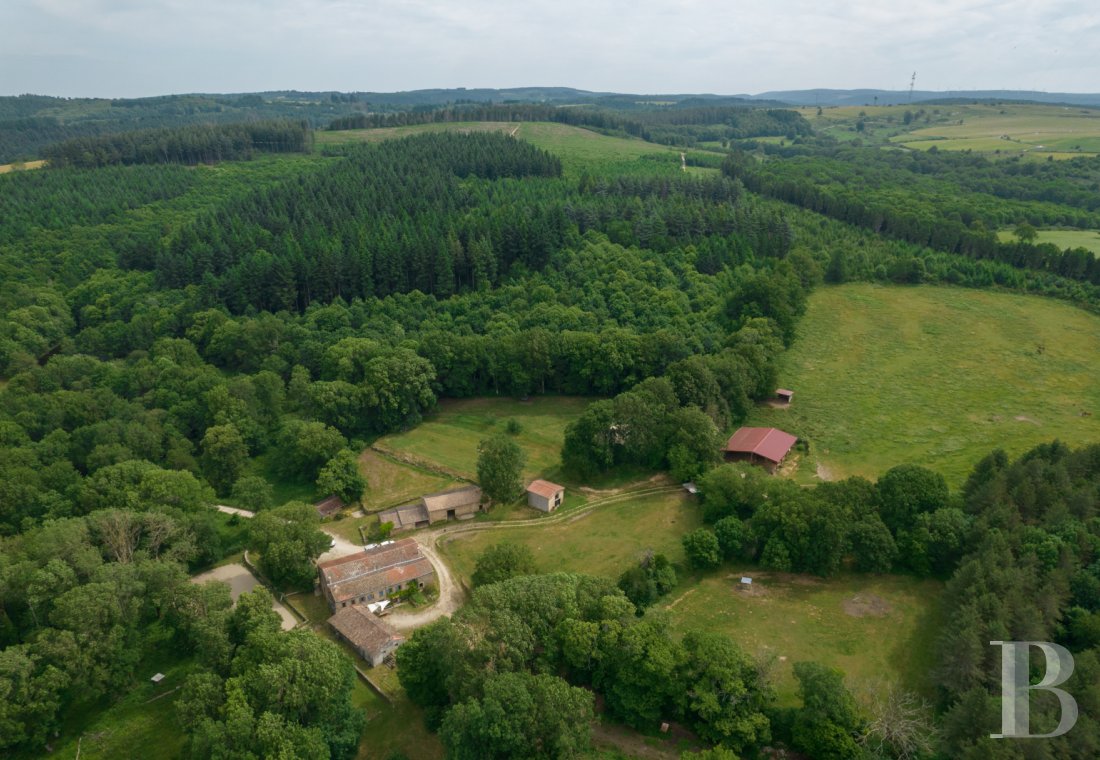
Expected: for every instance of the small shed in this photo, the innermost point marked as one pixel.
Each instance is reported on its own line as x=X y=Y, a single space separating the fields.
x=544 y=495
x=330 y=506
x=784 y=396
x=691 y=488
x=765 y=446
x=157 y=678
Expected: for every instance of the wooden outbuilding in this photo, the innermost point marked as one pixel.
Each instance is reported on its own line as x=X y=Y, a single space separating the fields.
x=784 y=396
x=764 y=446
x=544 y=495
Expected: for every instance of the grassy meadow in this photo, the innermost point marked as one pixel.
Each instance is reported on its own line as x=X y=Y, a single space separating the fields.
x=447 y=440
x=935 y=376
x=874 y=628
x=1089 y=239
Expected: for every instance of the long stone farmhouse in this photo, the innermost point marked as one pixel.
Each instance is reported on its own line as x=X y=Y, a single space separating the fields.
x=374 y=574
x=457 y=504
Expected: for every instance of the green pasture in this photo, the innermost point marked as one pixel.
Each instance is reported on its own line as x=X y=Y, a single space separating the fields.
x=877 y=629
x=605 y=541
x=935 y=376
x=448 y=438
x=1089 y=239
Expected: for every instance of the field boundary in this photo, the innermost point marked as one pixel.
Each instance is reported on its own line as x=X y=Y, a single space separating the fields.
x=408 y=459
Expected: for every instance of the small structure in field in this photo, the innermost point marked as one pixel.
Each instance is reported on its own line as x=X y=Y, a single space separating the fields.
x=330 y=506
x=374 y=574
x=746 y=582
x=157 y=678
x=784 y=396
x=455 y=504
x=544 y=495
x=691 y=488
x=764 y=446
x=368 y=634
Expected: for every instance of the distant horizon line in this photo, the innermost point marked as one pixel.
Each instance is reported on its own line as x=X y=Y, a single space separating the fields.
x=599 y=92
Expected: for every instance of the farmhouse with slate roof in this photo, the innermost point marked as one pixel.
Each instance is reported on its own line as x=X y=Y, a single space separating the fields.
x=374 y=574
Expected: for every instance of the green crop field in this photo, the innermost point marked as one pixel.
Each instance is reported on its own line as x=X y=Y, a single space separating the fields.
x=1089 y=239
x=448 y=439
x=937 y=377
x=605 y=541
x=877 y=629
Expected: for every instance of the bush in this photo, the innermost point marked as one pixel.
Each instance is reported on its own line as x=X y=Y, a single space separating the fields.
x=701 y=547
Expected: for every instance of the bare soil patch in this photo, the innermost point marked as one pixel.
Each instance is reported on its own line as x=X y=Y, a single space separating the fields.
x=866 y=605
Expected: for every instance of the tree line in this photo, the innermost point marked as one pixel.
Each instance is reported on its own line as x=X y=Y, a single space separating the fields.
x=921 y=209
x=189 y=145
x=661 y=125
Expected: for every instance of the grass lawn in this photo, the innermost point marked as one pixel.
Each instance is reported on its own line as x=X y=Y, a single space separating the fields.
x=605 y=541
x=935 y=376
x=448 y=439
x=1089 y=239
x=874 y=628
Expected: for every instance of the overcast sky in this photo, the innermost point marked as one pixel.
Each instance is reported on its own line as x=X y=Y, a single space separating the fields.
x=128 y=48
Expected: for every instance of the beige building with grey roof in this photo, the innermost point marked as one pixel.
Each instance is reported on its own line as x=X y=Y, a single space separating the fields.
x=455 y=504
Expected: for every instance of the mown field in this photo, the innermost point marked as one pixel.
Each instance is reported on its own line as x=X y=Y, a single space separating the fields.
x=877 y=629
x=937 y=377
x=448 y=439
x=1089 y=239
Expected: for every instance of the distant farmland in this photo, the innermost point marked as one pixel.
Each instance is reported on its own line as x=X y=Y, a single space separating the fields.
x=937 y=377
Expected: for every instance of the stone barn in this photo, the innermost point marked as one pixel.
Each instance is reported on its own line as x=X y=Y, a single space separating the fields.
x=367 y=633
x=374 y=574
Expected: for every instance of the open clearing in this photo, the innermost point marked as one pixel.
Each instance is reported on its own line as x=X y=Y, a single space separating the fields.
x=580 y=150
x=874 y=628
x=448 y=439
x=936 y=376
x=1089 y=239
x=21 y=166
x=605 y=541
